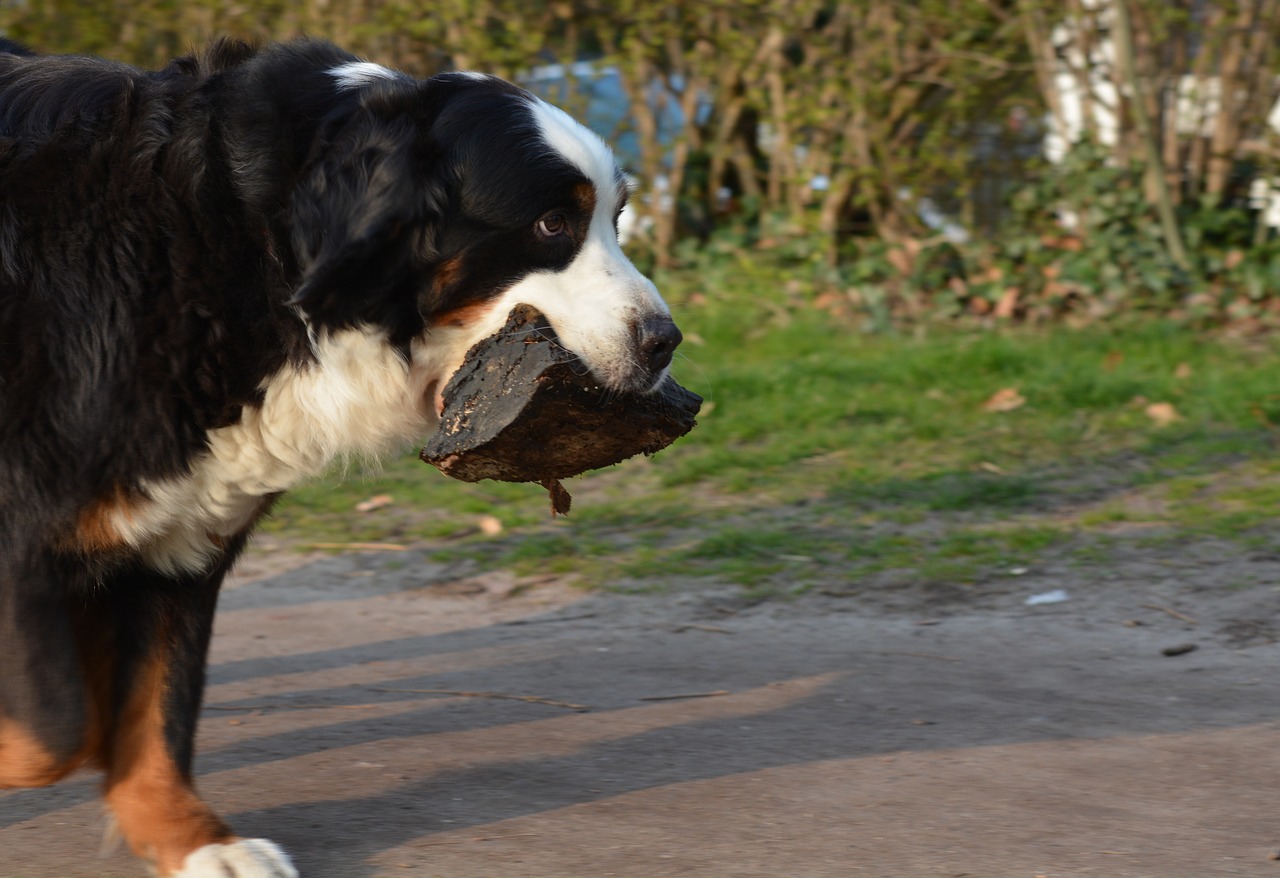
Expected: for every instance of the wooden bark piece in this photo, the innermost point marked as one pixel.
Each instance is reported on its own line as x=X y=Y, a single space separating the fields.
x=523 y=408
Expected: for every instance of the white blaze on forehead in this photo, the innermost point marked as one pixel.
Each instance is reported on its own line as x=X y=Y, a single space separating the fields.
x=356 y=74
x=582 y=148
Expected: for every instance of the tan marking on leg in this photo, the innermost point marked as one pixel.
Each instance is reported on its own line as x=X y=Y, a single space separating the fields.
x=97 y=527
x=159 y=812
x=25 y=762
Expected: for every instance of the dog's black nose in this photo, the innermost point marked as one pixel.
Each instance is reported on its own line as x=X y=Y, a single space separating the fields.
x=658 y=340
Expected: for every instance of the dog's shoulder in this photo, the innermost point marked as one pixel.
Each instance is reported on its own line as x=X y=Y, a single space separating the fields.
x=44 y=94
x=141 y=305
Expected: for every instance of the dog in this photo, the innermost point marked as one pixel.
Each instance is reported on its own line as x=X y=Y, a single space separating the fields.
x=216 y=279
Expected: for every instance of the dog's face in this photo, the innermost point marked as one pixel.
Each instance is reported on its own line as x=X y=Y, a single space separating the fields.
x=438 y=205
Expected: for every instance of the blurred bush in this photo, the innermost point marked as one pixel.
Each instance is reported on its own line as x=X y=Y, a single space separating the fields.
x=884 y=155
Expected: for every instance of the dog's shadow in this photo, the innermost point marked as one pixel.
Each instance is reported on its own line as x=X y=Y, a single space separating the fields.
x=368 y=759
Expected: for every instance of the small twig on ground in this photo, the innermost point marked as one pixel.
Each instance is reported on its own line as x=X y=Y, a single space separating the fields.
x=532 y=582
x=678 y=697
x=1174 y=613
x=710 y=628
x=361 y=547
x=532 y=699
x=549 y=619
x=431 y=844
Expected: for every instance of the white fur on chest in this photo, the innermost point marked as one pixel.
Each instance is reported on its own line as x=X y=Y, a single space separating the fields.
x=359 y=398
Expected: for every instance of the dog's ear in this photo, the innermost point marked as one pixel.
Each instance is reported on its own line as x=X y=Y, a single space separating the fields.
x=363 y=216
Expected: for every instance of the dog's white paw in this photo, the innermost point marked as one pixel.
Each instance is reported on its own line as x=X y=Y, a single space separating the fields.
x=244 y=858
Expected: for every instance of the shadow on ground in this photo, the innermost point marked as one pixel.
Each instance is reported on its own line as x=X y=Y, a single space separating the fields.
x=381 y=716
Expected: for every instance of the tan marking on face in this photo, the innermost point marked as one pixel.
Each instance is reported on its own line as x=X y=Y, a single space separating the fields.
x=160 y=814
x=584 y=195
x=447 y=273
x=464 y=316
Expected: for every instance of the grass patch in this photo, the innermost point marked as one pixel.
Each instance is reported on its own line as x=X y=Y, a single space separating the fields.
x=946 y=491
x=824 y=451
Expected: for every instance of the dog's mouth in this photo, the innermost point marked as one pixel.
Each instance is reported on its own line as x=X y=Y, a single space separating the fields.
x=433 y=397
x=644 y=372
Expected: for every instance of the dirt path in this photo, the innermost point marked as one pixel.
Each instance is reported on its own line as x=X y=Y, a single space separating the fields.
x=828 y=736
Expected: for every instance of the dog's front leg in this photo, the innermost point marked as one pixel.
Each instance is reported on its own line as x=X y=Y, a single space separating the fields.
x=162 y=630
x=45 y=731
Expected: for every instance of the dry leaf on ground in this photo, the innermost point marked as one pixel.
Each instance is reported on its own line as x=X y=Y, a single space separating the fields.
x=373 y=503
x=1163 y=413
x=1006 y=399
x=1008 y=304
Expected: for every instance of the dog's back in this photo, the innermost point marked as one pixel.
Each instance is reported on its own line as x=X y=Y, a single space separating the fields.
x=40 y=94
x=133 y=288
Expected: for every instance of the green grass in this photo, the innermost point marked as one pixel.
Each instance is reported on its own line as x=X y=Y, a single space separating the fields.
x=824 y=451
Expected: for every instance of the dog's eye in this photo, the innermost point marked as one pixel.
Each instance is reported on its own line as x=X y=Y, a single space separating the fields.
x=553 y=225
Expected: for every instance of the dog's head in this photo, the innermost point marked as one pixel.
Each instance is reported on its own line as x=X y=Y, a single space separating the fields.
x=433 y=207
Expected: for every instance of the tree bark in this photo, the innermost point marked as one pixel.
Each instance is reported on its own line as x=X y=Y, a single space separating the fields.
x=1164 y=204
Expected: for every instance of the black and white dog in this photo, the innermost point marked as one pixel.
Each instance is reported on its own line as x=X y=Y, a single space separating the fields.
x=214 y=280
